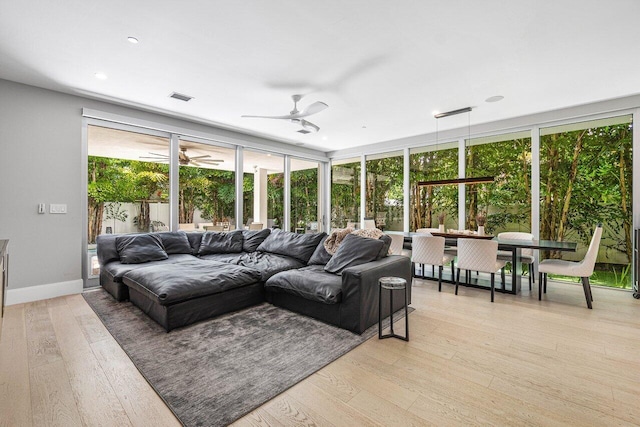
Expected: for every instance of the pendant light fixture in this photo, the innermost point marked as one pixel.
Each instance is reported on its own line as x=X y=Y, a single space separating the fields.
x=478 y=180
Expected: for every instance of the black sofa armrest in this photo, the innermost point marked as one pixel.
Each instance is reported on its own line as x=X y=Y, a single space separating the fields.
x=359 y=307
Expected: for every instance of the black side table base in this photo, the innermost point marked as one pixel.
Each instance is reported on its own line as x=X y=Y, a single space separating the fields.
x=391 y=284
x=381 y=337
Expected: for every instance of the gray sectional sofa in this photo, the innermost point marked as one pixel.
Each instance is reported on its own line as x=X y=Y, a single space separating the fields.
x=179 y=278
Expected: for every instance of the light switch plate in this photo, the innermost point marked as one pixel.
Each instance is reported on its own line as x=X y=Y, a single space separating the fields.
x=57 y=208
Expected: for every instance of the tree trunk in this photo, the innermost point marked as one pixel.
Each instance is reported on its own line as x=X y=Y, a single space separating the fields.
x=144 y=222
x=429 y=204
x=572 y=178
x=95 y=212
x=623 y=204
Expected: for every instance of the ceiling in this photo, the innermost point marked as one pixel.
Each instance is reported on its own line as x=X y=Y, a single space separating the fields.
x=383 y=67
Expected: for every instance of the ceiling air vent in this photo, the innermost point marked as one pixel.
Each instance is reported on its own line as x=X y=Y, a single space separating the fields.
x=304 y=131
x=180 y=96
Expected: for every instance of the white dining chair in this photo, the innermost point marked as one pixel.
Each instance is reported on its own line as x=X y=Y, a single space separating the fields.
x=429 y=250
x=397 y=244
x=369 y=223
x=479 y=255
x=526 y=255
x=582 y=269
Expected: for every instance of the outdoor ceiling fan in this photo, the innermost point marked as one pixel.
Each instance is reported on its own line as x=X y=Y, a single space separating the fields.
x=296 y=116
x=183 y=159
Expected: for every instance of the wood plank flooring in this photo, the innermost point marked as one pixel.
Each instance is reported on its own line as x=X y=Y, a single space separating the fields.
x=517 y=361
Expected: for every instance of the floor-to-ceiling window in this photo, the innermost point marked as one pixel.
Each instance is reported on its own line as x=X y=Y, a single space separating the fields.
x=206 y=186
x=127 y=185
x=264 y=180
x=345 y=192
x=433 y=163
x=505 y=203
x=585 y=179
x=384 y=192
x=304 y=196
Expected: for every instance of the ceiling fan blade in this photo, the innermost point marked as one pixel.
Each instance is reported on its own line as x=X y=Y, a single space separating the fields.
x=314 y=108
x=289 y=116
x=199 y=157
x=159 y=155
x=216 y=161
x=309 y=126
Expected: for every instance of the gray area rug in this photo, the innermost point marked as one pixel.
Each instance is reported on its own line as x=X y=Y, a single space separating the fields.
x=214 y=372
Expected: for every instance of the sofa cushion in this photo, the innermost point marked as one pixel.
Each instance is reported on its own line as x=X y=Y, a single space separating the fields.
x=195 y=238
x=269 y=264
x=354 y=250
x=311 y=283
x=106 y=248
x=253 y=239
x=320 y=255
x=139 y=248
x=115 y=269
x=169 y=284
x=299 y=246
x=233 y=258
x=175 y=242
x=221 y=243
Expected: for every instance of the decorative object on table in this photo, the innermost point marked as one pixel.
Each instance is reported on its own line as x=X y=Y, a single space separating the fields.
x=441 y=216
x=481 y=220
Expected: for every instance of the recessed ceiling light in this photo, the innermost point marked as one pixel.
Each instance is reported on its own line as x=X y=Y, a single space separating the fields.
x=324 y=138
x=364 y=127
x=132 y=40
x=495 y=98
x=101 y=76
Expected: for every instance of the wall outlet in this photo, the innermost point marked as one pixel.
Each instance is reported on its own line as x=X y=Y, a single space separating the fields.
x=57 y=208
x=41 y=208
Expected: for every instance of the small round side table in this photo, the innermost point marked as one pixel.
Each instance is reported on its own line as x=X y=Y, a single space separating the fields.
x=392 y=284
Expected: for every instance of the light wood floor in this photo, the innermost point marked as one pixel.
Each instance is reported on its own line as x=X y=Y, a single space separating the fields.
x=469 y=362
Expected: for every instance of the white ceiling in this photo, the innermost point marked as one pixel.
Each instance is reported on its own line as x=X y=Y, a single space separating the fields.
x=382 y=66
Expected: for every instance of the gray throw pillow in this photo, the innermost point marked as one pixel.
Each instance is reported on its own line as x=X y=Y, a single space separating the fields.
x=387 y=244
x=253 y=239
x=175 y=242
x=320 y=255
x=214 y=242
x=294 y=245
x=354 y=250
x=139 y=248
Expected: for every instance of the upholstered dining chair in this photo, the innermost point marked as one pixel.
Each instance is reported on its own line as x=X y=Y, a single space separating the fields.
x=479 y=255
x=582 y=269
x=526 y=255
x=256 y=226
x=214 y=227
x=369 y=223
x=430 y=250
x=449 y=250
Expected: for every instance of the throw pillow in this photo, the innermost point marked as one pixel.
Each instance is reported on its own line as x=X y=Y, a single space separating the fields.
x=139 y=248
x=175 y=242
x=294 y=245
x=354 y=250
x=320 y=255
x=253 y=239
x=387 y=245
x=214 y=242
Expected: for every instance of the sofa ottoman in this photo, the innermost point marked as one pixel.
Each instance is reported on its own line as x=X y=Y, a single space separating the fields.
x=176 y=295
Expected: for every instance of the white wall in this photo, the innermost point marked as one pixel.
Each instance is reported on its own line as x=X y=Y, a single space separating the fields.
x=41 y=162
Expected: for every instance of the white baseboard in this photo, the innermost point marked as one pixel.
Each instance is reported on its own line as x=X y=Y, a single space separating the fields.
x=40 y=292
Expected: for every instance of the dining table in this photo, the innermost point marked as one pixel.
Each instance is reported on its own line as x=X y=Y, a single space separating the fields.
x=511 y=245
